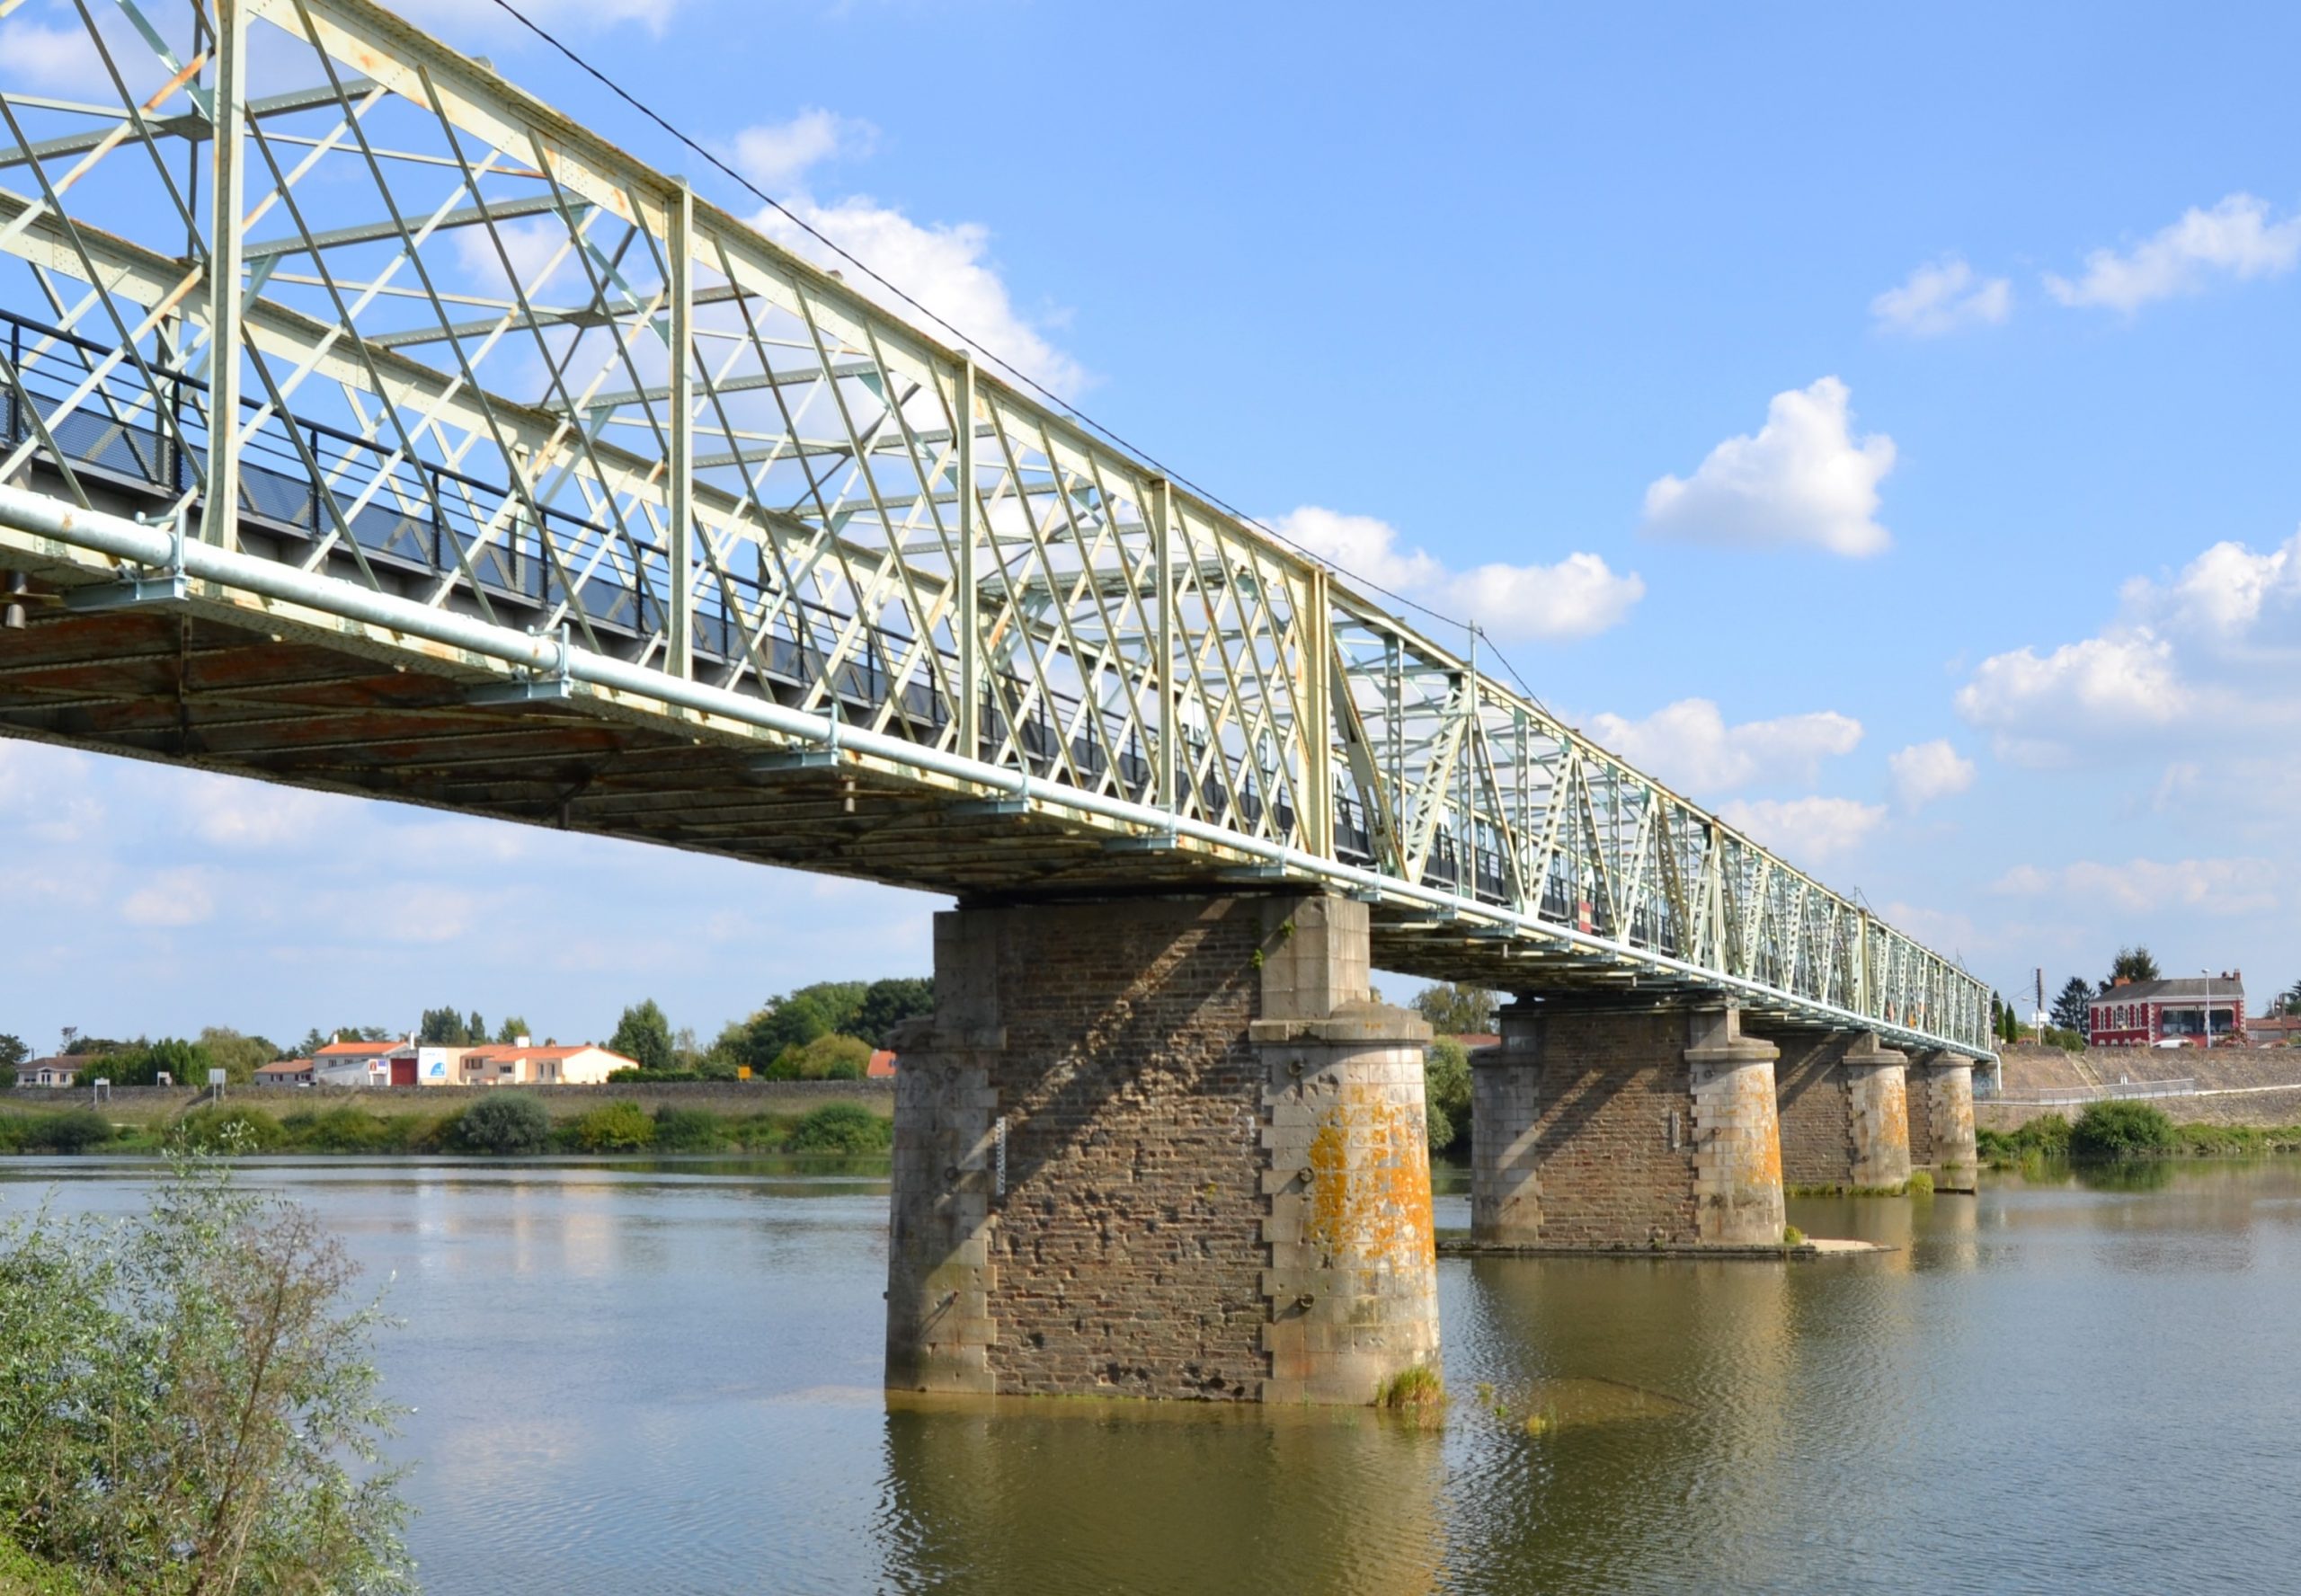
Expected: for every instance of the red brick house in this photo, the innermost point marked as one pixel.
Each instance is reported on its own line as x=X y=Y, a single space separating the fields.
x=2144 y=1014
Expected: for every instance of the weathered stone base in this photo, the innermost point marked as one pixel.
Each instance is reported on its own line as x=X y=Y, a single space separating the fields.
x=1160 y=1147
x=1605 y=1131
x=1843 y=1103
x=1941 y=1121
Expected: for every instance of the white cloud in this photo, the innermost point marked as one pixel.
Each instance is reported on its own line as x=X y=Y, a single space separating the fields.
x=2041 y=707
x=1943 y=296
x=542 y=254
x=1808 y=831
x=60 y=60
x=1926 y=771
x=1689 y=745
x=773 y=155
x=1580 y=596
x=173 y=897
x=1803 y=480
x=240 y=815
x=944 y=266
x=2213 y=886
x=2227 y=601
x=2235 y=239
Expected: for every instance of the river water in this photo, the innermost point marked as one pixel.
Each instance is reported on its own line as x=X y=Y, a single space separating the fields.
x=664 y=1378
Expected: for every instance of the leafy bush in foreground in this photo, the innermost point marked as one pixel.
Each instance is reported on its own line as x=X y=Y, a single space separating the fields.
x=2107 y=1130
x=841 y=1128
x=187 y=1406
x=509 y=1123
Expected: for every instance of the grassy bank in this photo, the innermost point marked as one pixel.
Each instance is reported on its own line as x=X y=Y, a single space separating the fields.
x=2129 y=1130
x=506 y=1123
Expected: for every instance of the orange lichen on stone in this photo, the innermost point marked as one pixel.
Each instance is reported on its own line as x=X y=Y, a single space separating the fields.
x=1373 y=1209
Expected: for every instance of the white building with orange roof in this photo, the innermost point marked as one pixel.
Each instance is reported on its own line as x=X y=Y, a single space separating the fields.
x=523 y=1063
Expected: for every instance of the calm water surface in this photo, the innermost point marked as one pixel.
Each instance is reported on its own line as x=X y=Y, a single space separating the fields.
x=665 y=1378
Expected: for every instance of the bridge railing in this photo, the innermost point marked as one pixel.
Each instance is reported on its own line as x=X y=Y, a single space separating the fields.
x=474 y=354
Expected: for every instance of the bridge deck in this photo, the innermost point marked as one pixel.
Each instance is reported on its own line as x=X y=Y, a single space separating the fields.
x=553 y=492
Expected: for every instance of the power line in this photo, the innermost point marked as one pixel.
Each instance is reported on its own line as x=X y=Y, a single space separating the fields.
x=963 y=341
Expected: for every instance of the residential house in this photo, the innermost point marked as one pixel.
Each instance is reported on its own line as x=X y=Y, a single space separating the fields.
x=522 y=1063
x=284 y=1072
x=62 y=1070
x=365 y=1064
x=2274 y=1031
x=2144 y=1014
x=882 y=1066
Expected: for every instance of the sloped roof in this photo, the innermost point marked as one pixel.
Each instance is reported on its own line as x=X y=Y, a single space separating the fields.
x=507 y=1052
x=357 y=1050
x=2181 y=988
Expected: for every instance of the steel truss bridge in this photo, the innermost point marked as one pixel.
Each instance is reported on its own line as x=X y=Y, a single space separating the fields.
x=368 y=425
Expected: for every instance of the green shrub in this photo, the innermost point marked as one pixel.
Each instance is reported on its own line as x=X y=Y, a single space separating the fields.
x=190 y=1404
x=231 y=1127
x=2048 y=1134
x=816 y=1059
x=2110 y=1130
x=75 y=1130
x=509 y=1124
x=688 y=1129
x=23 y=1574
x=613 y=1128
x=1439 y=1128
x=1446 y=1093
x=841 y=1128
x=1920 y=1184
x=340 y=1130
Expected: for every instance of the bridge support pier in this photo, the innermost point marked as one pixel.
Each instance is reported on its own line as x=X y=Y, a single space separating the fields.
x=1941 y=1120
x=1160 y=1147
x=1610 y=1129
x=1845 y=1109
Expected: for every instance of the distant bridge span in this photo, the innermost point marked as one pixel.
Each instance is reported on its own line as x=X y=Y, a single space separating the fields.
x=817 y=592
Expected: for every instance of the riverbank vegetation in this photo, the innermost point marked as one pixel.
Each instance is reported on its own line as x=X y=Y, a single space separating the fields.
x=2124 y=1132
x=505 y=1124
x=189 y=1403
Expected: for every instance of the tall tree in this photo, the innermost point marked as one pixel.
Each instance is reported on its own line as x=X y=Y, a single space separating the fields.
x=474 y=1029
x=236 y=1055
x=514 y=1027
x=643 y=1037
x=887 y=1004
x=2133 y=964
x=445 y=1027
x=13 y=1051
x=1456 y=1008
x=2069 y=1006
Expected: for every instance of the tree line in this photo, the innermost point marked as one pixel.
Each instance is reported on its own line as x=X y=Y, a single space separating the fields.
x=824 y=1031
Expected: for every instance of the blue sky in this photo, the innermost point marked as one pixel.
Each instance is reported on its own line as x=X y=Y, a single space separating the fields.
x=1871 y=421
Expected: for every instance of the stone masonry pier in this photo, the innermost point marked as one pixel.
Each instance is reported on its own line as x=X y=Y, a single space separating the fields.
x=1843 y=1102
x=1607 y=1129
x=1160 y=1147
x=1941 y=1120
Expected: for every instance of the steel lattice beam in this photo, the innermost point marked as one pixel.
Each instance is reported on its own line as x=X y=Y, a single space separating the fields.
x=435 y=370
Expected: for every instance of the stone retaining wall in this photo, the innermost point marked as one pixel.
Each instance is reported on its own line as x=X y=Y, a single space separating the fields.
x=145 y=1104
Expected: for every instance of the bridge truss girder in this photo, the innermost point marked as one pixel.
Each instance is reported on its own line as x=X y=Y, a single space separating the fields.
x=482 y=363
